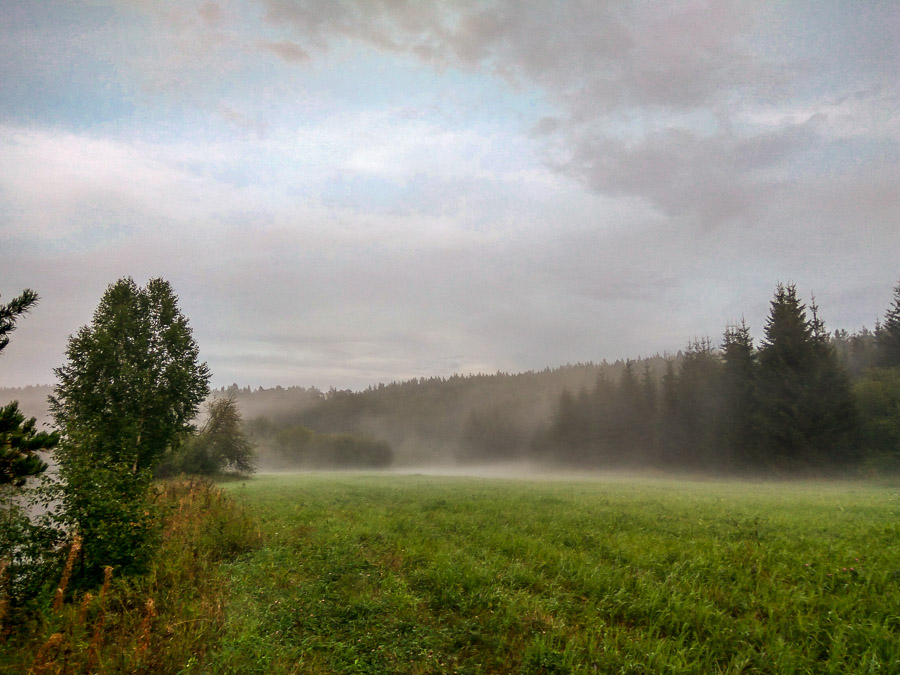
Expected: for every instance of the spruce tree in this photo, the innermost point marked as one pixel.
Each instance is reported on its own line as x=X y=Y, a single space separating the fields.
x=10 y=313
x=699 y=405
x=737 y=430
x=888 y=334
x=19 y=438
x=670 y=442
x=805 y=411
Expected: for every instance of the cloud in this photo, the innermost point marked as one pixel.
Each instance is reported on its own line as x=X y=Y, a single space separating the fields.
x=611 y=54
x=656 y=101
x=286 y=50
x=527 y=184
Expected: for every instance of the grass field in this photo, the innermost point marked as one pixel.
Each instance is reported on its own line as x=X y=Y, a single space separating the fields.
x=418 y=574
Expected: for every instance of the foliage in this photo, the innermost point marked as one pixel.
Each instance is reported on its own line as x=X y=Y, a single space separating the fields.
x=114 y=512
x=698 y=406
x=300 y=447
x=163 y=622
x=29 y=556
x=19 y=442
x=806 y=413
x=221 y=446
x=130 y=387
x=786 y=406
x=19 y=439
x=133 y=381
x=739 y=397
x=878 y=393
x=426 y=419
x=10 y=313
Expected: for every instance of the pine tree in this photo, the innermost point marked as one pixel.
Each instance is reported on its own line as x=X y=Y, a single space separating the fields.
x=19 y=438
x=670 y=441
x=648 y=416
x=699 y=405
x=10 y=313
x=737 y=429
x=19 y=443
x=888 y=334
x=805 y=409
x=627 y=425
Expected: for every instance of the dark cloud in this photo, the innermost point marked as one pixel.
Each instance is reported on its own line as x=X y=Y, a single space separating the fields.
x=597 y=55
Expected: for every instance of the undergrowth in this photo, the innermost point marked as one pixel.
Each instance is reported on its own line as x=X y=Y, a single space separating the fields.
x=154 y=623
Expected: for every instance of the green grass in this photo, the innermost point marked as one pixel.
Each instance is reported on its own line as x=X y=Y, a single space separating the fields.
x=415 y=574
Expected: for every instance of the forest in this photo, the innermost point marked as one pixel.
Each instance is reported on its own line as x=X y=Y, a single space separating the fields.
x=805 y=399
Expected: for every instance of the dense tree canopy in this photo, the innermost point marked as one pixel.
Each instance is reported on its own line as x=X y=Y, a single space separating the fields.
x=133 y=381
x=785 y=405
x=807 y=415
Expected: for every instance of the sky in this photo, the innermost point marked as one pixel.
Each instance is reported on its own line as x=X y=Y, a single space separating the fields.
x=346 y=193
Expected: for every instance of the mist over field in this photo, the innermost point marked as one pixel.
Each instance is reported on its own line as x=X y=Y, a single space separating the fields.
x=478 y=336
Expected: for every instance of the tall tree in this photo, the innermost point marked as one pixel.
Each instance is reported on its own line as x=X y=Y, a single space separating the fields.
x=737 y=427
x=133 y=380
x=221 y=446
x=670 y=441
x=130 y=387
x=806 y=415
x=888 y=334
x=699 y=405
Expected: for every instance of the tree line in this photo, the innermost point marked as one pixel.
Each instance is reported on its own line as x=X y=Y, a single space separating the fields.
x=802 y=400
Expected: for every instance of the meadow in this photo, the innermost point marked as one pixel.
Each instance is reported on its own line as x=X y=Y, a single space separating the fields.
x=381 y=573
x=426 y=574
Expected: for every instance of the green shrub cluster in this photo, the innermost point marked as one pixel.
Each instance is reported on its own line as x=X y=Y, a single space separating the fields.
x=301 y=447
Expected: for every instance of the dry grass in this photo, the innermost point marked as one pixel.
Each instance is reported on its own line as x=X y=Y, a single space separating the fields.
x=156 y=623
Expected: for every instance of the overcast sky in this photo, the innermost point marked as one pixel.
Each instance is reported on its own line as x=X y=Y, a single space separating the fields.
x=344 y=193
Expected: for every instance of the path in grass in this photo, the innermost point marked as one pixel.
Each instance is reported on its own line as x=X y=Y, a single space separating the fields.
x=427 y=574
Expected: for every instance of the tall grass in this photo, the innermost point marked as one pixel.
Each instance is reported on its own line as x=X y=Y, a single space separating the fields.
x=155 y=623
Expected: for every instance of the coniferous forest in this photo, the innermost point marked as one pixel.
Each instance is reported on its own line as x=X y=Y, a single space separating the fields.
x=800 y=400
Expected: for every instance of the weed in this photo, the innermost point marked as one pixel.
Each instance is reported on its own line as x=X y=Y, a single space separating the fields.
x=157 y=622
